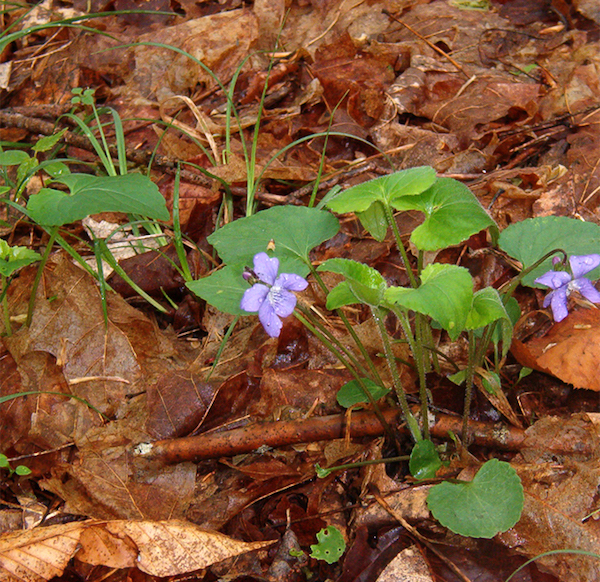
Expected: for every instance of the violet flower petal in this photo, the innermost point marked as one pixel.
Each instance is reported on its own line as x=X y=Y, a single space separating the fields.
x=267 y=316
x=558 y=302
x=266 y=267
x=582 y=264
x=554 y=279
x=254 y=297
x=291 y=281
x=282 y=301
x=585 y=287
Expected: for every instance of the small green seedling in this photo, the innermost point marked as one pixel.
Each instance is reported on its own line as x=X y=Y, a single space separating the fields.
x=11 y=260
x=331 y=545
x=20 y=470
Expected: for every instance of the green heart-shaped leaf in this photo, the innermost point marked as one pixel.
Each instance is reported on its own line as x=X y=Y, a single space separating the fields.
x=363 y=282
x=490 y=504
x=351 y=393
x=385 y=189
x=424 y=460
x=13 y=258
x=528 y=241
x=453 y=214
x=486 y=308
x=295 y=231
x=445 y=295
x=374 y=220
x=223 y=289
x=131 y=193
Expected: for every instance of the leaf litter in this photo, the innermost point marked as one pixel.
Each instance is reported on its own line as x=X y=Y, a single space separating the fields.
x=506 y=99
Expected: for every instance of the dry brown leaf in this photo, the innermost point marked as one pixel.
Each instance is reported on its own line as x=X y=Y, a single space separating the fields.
x=99 y=546
x=570 y=350
x=409 y=564
x=203 y=39
x=169 y=548
x=159 y=548
x=38 y=554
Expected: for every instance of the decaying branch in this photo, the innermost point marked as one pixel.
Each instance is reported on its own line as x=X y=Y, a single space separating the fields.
x=281 y=433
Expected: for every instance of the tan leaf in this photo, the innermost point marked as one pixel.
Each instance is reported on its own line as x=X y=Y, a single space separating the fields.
x=570 y=350
x=38 y=554
x=159 y=548
x=101 y=547
x=169 y=548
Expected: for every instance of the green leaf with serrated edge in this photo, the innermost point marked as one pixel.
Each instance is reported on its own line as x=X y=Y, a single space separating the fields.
x=131 y=193
x=4 y=461
x=331 y=545
x=486 y=308
x=424 y=460
x=445 y=294
x=352 y=393
x=295 y=230
x=365 y=283
x=13 y=157
x=452 y=215
x=374 y=221
x=13 y=258
x=529 y=240
x=24 y=170
x=490 y=504
x=385 y=189
x=56 y=169
x=48 y=142
x=340 y=296
x=223 y=289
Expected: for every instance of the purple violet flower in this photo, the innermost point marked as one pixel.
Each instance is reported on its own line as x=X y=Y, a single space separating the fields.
x=563 y=283
x=272 y=296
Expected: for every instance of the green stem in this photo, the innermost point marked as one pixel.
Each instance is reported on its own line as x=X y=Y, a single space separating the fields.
x=38 y=275
x=333 y=340
x=7 y=326
x=110 y=167
x=514 y=283
x=222 y=347
x=177 y=236
x=469 y=387
x=386 y=427
x=416 y=347
x=392 y=223
x=349 y=327
x=108 y=257
x=411 y=421
x=321 y=473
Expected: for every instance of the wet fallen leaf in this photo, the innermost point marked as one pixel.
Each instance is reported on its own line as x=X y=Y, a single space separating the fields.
x=570 y=350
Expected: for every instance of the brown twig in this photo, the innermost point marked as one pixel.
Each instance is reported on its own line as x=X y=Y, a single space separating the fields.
x=138 y=157
x=282 y=433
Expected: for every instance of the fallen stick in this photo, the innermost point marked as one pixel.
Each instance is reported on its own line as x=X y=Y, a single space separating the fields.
x=280 y=433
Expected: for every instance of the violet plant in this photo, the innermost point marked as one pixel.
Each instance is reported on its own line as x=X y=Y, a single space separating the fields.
x=278 y=242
